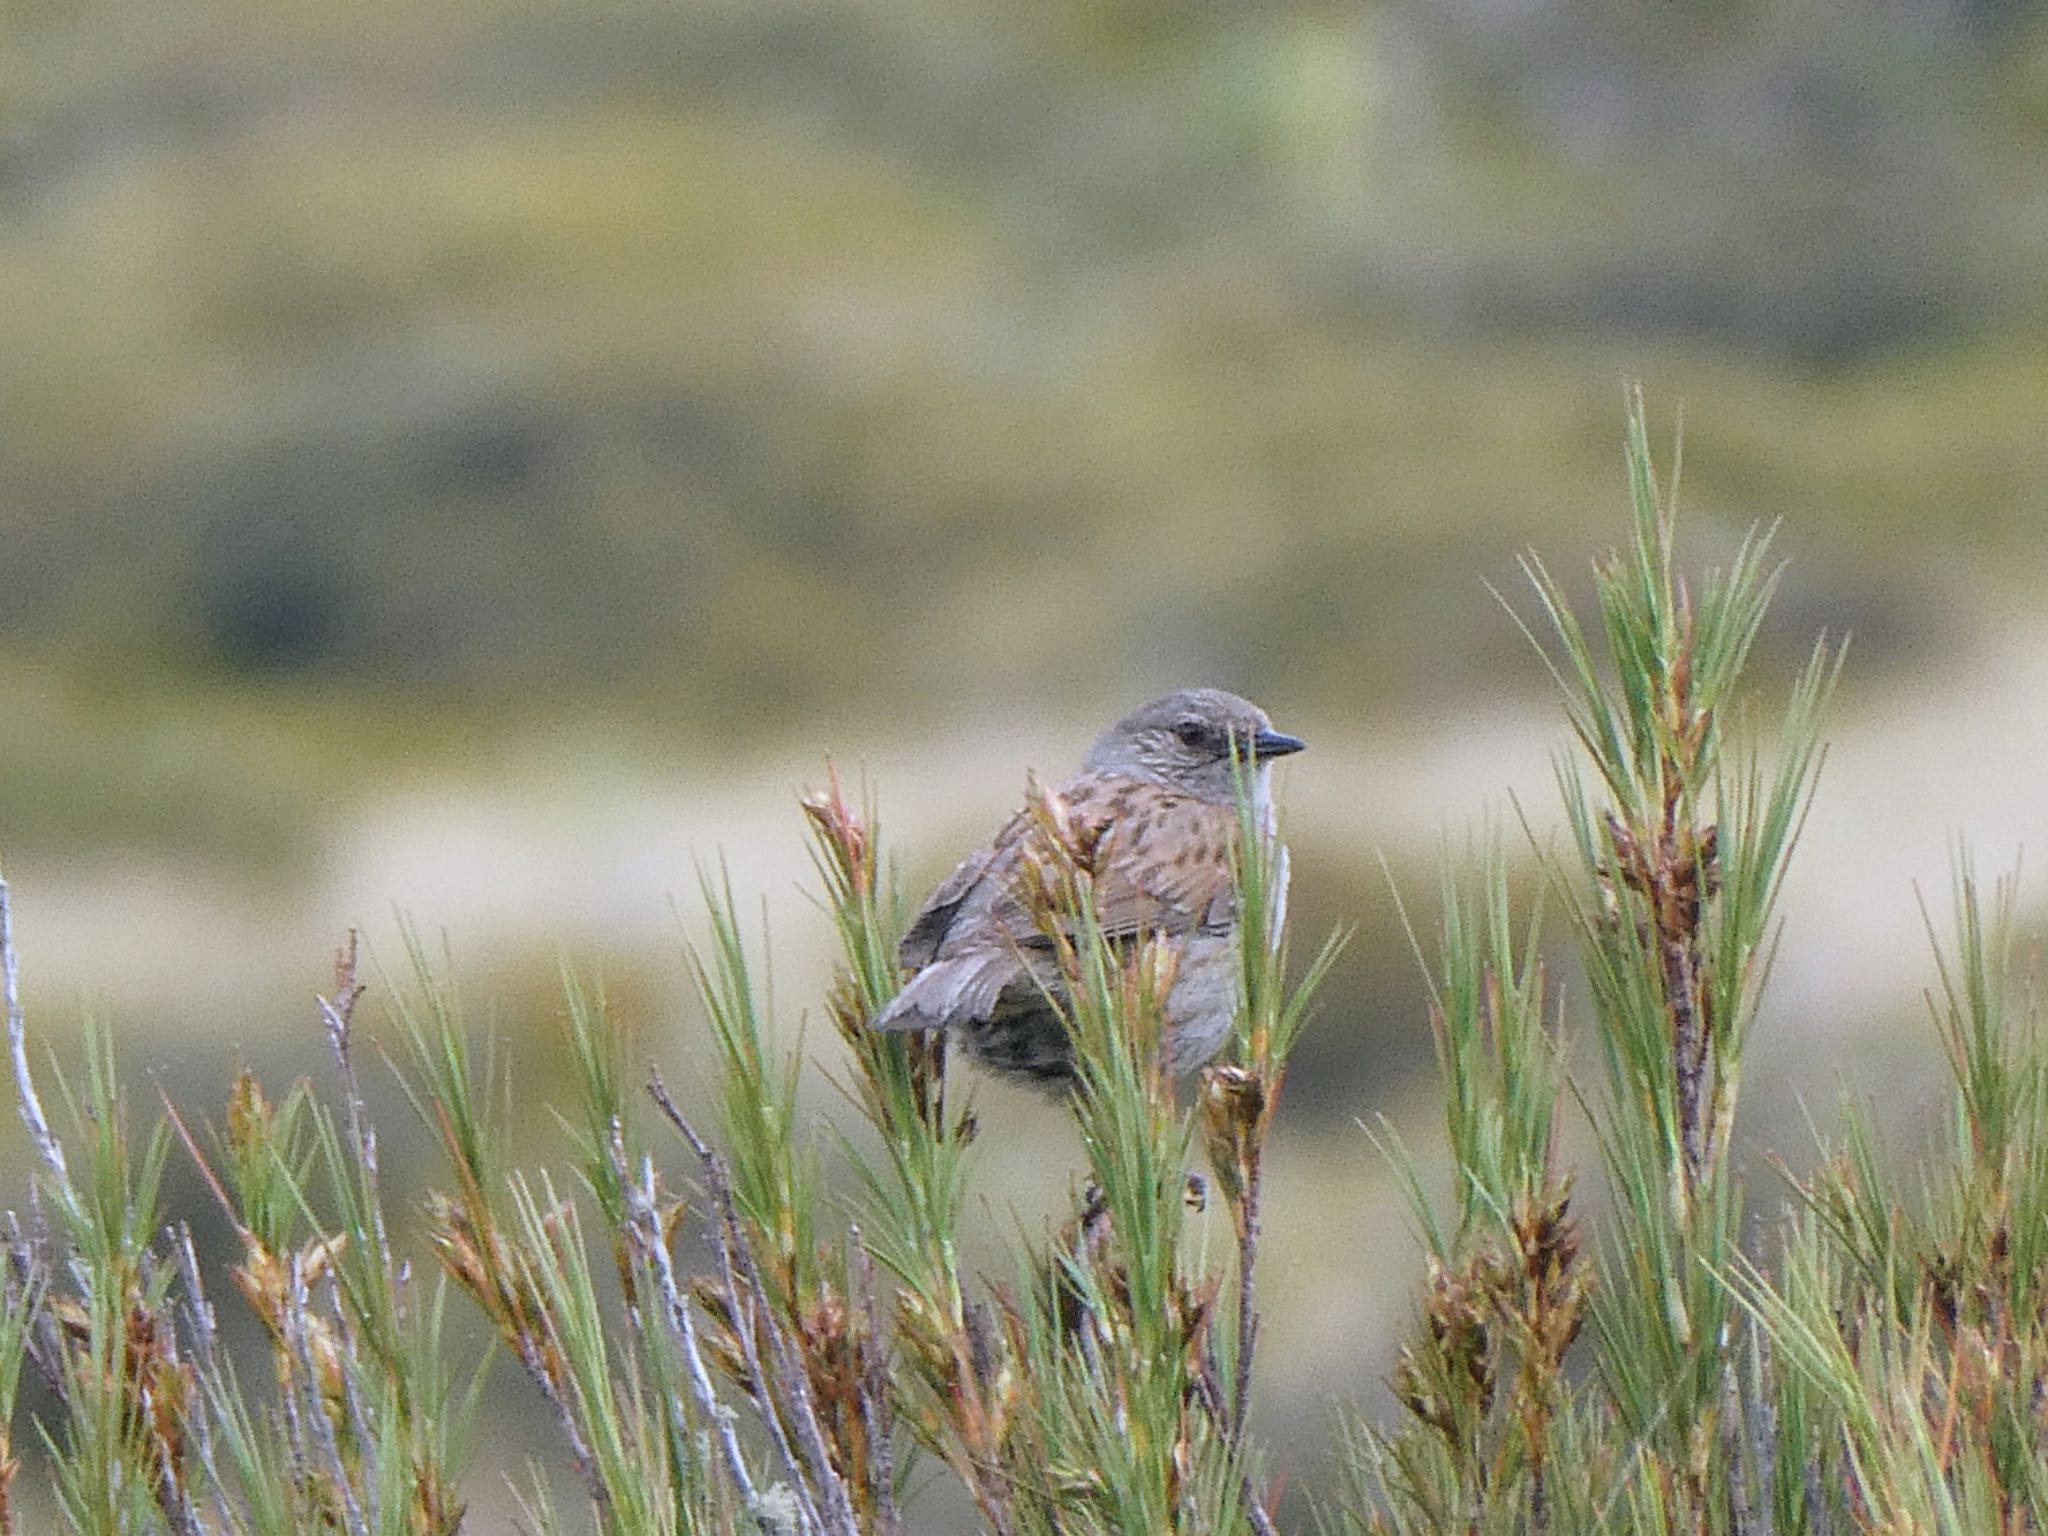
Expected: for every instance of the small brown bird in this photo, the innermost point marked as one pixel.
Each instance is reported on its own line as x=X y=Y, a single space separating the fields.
x=1159 y=784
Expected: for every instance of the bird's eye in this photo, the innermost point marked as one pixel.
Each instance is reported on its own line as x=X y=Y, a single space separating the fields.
x=1192 y=733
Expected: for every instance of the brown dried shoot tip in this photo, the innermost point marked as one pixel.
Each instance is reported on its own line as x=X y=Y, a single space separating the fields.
x=1631 y=869
x=840 y=1359
x=1056 y=869
x=1084 y=1247
x=249 y=1115
x=1194 y=1306
x=843 y=831
x=1550 y=1307
x=347 y=989
x=153 y=1389
x=1235 y=1111
x=1456 y=1311
x=1073 y=840
x=479 y=1260
x=721 y=1336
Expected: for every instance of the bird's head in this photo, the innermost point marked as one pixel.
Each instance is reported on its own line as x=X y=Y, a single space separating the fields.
x=1186 y=740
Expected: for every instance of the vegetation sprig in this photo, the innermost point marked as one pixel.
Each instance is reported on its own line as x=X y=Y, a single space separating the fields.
x=762 y=1326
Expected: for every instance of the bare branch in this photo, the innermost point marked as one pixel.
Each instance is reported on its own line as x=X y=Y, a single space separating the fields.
x=644 y=1230
x=297 y=1314
x=874 y=1390
x=338 y=1015
x=204 y=1330
x=47 y=1146
x=1210 y=1395
x=1247 y=1298
x=750 y=1306
x=352 y=1394
x=792 y=1386
x=28 y=1272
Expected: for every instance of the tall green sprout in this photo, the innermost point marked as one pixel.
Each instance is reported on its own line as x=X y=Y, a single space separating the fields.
x=1682 y=834
x=1681 y=830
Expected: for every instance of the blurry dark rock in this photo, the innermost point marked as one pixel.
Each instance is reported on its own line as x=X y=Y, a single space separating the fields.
x=277 y=611
x=485 y=451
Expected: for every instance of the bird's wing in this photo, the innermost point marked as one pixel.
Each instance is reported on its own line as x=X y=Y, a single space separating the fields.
x=1166 y=869
x=959 y=944
x=935 y=919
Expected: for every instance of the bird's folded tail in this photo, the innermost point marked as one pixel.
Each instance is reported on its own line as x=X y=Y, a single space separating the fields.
x=952 y=991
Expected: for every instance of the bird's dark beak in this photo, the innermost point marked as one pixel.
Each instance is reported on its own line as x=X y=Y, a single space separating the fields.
x=1271 y=743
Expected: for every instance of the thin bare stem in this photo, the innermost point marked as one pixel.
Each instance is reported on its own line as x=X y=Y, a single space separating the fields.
x=338 y=1015
x=204 y=1330
x=1689 y=1051
x=792 y=1386
x=1247 y=1299
x=874 y=1391
x=744 y=1305
x=1210 y=1395
x=26 y=1257
x=1764 y=1439
x=352 y=1396
x=644 y=1229
x=200 y=1321
x=529 y=1355
x=171 y=1496
x=47 y=1146
x=298 y=1306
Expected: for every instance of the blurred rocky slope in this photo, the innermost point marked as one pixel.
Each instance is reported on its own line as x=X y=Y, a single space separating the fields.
x=738 y=364
x=520 y=440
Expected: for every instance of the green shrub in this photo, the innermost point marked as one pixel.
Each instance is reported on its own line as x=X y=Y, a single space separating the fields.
x=1873 y=1361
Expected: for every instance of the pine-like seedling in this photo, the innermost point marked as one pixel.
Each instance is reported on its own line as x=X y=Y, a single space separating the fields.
x=763 y=1323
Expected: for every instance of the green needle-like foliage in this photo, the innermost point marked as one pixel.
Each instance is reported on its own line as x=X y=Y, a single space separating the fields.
x=1681 y=830
x=1872 y=1358
x=1490 y=1437
x=1680 y=857
x=774 y=1175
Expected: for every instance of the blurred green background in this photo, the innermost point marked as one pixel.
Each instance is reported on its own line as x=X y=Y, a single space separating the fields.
x=480 y=460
